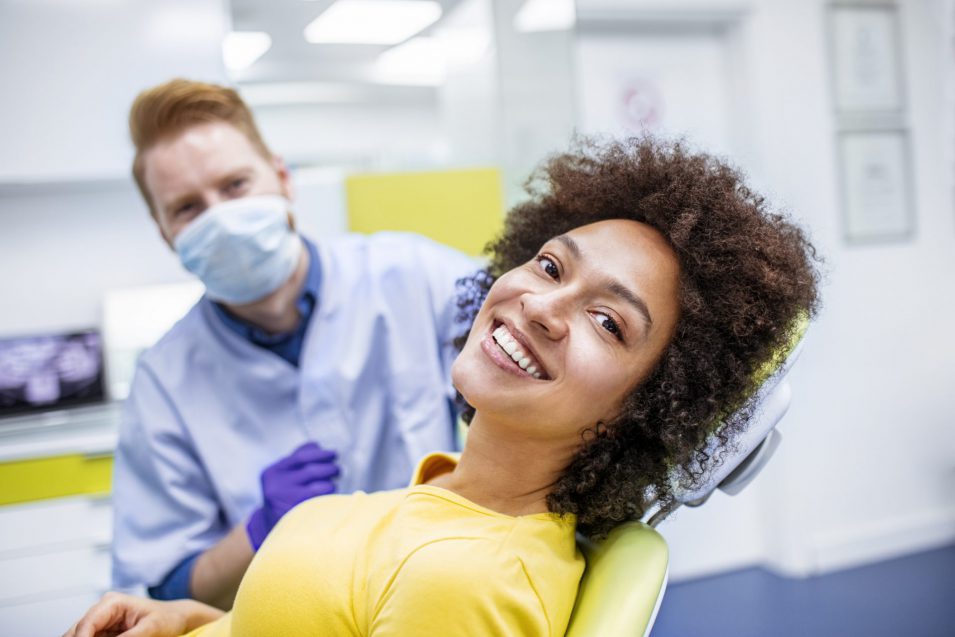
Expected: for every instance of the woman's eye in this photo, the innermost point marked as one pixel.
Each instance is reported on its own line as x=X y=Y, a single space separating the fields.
x=548 y=266
x=609 y=324
x=237 y=184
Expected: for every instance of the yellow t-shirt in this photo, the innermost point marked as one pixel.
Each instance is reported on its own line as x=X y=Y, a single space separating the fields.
x=420 y=561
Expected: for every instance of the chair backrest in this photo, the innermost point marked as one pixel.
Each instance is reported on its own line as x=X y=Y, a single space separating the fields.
x=623 y=584
x=626 y=574
x=753 y=447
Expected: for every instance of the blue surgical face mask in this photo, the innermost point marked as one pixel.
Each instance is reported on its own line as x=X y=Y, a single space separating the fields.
x=242 y=250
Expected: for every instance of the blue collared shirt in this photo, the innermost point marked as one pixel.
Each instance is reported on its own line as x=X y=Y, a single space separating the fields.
x=288 y=345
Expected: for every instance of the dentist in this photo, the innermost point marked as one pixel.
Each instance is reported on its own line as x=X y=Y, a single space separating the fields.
x=305 y=369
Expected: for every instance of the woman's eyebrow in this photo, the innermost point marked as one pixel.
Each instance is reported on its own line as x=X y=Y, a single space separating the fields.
x=613 y=286
x=570 y=244
x=620 y=290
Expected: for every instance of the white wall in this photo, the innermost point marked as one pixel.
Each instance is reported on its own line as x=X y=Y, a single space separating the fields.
x=512 y=104
x=71 y=223
x=469 y=99
x=880 y=375
x=536 y=95
x=63 y=247
x=673 y=84
x=867 y=467
x=69 y=71
x=61 y=250
x=376 y=136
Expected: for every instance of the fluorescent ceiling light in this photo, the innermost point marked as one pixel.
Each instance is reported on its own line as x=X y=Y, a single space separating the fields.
x=372 y=21
x=424 y=61
x=419 y=61
x=545 y=15
x=240 y=49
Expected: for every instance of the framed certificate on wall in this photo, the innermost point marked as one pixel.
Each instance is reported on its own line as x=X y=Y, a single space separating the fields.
x=866 y=63
x=876 y=185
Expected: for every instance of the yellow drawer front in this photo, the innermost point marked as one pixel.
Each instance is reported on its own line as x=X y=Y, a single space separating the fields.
x=57 y=477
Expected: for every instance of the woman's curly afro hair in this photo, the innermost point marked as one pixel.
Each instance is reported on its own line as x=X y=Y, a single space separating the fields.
x=747 y=274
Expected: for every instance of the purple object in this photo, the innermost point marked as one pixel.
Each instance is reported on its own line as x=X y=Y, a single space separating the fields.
x=305 y=473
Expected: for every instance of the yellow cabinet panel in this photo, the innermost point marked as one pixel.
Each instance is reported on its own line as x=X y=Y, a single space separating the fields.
x=463 y=209
x=60 y=476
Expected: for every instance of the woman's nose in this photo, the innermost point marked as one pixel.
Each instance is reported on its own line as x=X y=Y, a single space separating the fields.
x=546 y=312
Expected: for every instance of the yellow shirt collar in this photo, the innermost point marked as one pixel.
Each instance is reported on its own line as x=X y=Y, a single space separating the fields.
x=434 y=464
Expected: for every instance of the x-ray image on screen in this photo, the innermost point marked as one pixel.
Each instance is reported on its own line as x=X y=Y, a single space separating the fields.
x=49 y=372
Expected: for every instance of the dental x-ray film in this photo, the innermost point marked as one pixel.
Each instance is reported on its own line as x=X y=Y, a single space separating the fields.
x=54 y=371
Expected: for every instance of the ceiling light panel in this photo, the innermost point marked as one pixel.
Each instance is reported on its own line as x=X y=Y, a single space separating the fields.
x=240 y=49
x=545 y=15
x=419 y=61
x=372 y=21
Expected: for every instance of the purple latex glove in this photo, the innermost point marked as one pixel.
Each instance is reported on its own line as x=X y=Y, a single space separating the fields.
x=305 y=473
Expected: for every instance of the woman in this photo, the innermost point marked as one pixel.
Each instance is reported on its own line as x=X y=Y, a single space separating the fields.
x=629 y=304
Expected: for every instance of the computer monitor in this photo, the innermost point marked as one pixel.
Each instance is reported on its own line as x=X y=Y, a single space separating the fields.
x=51 y=371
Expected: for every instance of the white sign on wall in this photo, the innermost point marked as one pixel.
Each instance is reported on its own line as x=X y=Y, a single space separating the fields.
x=668 y=84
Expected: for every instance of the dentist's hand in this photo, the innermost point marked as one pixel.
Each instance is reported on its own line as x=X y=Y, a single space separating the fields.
x=305 y=473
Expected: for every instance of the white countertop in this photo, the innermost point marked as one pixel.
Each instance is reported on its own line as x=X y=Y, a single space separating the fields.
x=89 y=430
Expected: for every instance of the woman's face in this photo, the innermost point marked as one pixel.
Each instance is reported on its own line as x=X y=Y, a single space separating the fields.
x=586 y=321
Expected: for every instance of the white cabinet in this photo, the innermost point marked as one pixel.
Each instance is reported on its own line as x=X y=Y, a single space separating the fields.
x=55 y=551
x=54 y=563
x=44 y=617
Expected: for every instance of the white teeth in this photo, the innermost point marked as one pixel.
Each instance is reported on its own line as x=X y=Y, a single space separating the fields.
x=511 y=346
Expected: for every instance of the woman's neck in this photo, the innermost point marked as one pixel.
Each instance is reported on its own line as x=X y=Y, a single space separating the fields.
x=511 y=475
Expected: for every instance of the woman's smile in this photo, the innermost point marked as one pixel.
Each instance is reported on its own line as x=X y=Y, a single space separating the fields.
x=509 y=350
x=576 y=322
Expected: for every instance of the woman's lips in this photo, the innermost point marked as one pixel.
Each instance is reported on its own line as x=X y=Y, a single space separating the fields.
x=495 y=350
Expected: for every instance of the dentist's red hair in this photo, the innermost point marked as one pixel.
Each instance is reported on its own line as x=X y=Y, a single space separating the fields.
x=169 y=109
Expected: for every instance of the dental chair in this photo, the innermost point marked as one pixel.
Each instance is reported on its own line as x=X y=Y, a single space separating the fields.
x=626 y=574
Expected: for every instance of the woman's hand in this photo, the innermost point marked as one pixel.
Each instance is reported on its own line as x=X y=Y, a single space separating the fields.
x=129 y=616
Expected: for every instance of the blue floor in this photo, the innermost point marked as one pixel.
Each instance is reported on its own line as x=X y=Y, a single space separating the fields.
x=913 y=596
